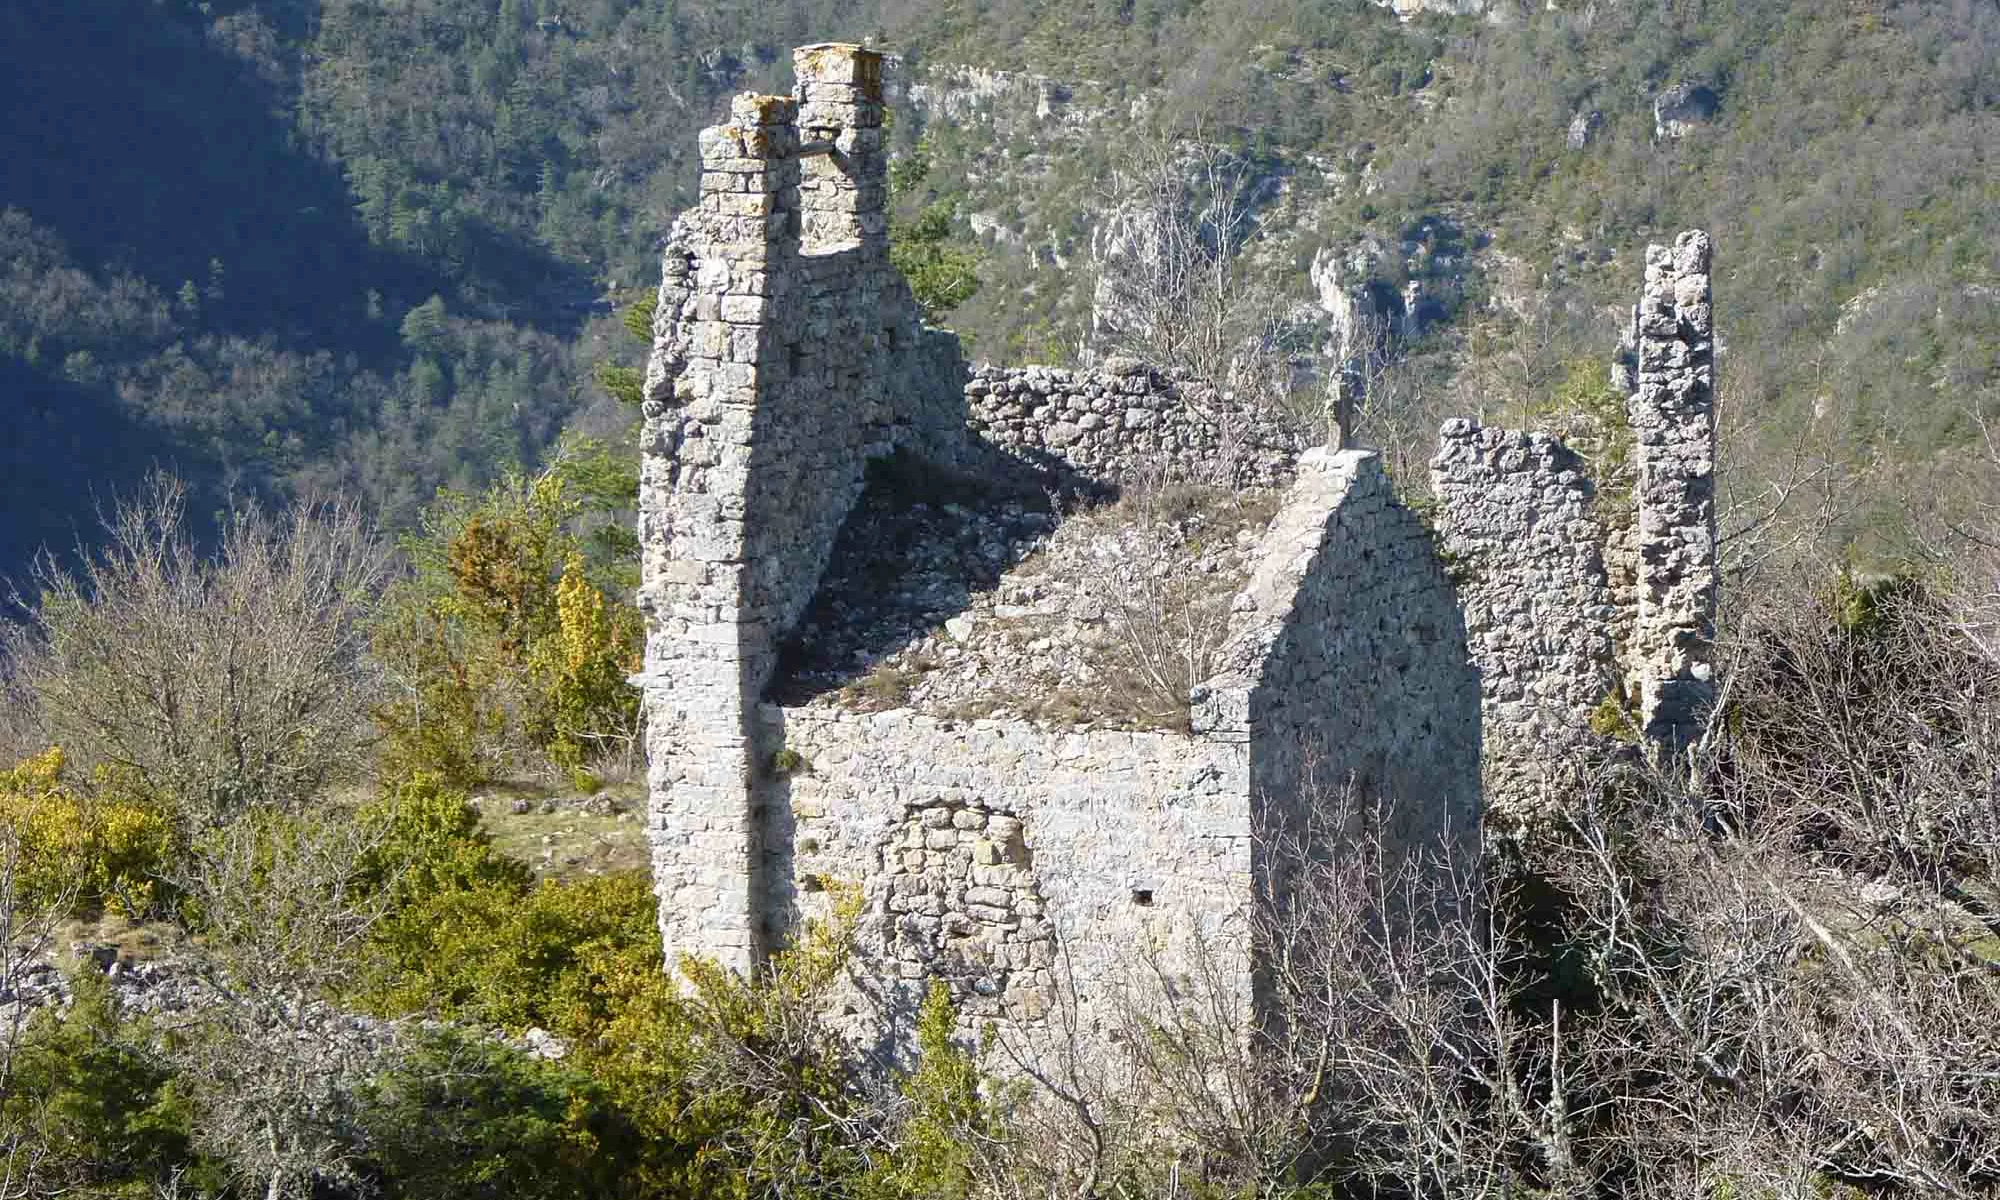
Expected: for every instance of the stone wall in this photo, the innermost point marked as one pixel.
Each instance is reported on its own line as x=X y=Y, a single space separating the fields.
x=1521 y=534
x=1348 y=674
x=1125 y=420
x=1593 y=624
x=1032 y=867
x=787 y=353
x=1045 y=871
x=1021 y=865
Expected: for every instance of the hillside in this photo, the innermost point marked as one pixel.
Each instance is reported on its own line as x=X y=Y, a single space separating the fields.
x=227 y=223
x=1510 y=171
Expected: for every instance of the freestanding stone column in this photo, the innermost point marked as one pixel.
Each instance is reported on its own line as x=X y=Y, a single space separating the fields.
x=1673 y=424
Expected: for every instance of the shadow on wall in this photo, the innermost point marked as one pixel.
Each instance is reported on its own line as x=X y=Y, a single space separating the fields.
x=1369 y=694
x=919 y=543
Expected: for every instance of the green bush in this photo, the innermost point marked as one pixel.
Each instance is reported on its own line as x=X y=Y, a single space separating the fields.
x=93 y=1101
x=503 y=640
x=461 y=1117
x=941 y=275
x=469 y=933
x=946 y=1115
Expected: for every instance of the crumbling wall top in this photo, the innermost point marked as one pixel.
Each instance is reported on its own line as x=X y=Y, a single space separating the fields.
x=842 y=63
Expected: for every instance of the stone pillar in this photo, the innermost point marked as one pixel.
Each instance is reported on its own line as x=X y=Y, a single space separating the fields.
x=1673 y=424
x=707 y=655
x=843 y=188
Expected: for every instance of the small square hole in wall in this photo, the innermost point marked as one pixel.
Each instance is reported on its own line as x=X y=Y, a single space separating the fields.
x=1143 y=897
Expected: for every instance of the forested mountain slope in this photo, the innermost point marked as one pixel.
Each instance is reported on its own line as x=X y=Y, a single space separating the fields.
x=1512 y=169
x=279 y=244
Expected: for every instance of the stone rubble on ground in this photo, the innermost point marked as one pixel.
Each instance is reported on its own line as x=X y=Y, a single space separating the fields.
x=176 y=991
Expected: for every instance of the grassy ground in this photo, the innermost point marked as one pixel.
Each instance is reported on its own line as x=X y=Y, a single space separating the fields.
x=566 y=835
x=132 y=941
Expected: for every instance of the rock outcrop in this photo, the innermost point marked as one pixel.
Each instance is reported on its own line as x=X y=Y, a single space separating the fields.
x=1682 y=109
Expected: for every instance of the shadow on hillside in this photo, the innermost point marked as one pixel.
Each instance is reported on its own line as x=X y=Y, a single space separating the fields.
x=63 y=442
x=149 y=148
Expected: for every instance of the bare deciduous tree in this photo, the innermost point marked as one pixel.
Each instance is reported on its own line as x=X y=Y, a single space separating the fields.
x=1779 y=982
x=1167 y=593
x=275 y=1072
x=1172 y=288
x=1394 y=409
x=216 y=683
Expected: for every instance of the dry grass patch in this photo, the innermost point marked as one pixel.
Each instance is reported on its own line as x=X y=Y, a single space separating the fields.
x=568 y=836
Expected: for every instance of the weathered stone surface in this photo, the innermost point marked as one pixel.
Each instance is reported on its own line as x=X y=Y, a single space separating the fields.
x=178 y=991
x=1124 y=420
x=1590 y=623
x=787 y=353
x=1083 y=846
x=1683 y=108
x=1673 y=424
x=1348 y=671
x=1406 y=9
x=1583 y=129
x=1518 y=525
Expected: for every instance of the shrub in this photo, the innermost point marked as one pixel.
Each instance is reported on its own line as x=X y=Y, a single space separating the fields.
x=93 y=1105
x=941 y=276
x=467 y=931
x=502 y=642
x=461 y=1117
x=580 y=668
x=946 y=1121
x=215 y=684
x=80 y=852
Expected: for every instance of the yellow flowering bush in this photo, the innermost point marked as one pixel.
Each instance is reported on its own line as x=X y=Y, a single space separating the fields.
x=83 y=853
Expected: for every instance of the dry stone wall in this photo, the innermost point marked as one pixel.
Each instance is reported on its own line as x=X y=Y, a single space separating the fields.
x=1044 y=871
x=1348 y=668
x=787 y=353
x=1592 y=627
x=1673 y=423
x=1023 y=866
x=1033 y=867
x=1125 y=420
x=1523 y=540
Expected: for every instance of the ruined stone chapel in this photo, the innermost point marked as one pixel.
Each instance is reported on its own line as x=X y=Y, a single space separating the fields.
x=801 y=421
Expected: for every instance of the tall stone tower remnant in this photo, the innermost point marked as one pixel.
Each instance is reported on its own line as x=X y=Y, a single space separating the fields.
x=1672 y=413
x=787 y=353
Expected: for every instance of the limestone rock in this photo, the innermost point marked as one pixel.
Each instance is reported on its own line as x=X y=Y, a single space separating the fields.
x=1682 y=109
x=1583 y=128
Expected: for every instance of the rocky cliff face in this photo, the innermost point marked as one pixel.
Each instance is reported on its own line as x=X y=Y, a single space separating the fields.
x=1684 y=108
x=1073 y=245
x=1453 y=8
